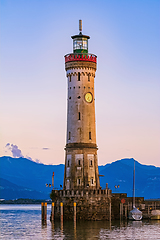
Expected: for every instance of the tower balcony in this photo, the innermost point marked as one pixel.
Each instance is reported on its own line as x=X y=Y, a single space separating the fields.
x=86 y=57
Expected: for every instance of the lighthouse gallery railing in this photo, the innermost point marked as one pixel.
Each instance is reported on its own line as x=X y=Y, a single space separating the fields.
x=80 y=57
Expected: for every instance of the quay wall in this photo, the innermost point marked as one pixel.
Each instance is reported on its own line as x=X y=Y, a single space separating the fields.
x=90 y=204
x=99 y=204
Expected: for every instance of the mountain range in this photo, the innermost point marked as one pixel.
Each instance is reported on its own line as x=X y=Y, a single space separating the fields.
x=23 y=178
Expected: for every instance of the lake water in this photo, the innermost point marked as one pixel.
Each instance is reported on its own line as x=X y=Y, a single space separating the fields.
x=24 y=222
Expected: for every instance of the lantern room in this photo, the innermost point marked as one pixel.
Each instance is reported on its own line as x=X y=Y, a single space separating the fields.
x=80 y=42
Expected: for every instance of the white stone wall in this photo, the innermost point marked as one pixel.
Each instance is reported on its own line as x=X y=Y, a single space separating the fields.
x=81 y=166
x=79 y=129
x=91 y=169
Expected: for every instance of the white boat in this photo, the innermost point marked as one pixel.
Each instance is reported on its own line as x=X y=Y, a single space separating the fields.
x=135 y=214
x=155 y=214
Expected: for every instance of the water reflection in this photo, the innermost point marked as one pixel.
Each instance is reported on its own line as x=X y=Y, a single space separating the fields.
x=24 y=222
x=105 y=230
x=75 y=229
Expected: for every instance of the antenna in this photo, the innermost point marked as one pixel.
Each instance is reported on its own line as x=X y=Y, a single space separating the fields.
x=80 y=25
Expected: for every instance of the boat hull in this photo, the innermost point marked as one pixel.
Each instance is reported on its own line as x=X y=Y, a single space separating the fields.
x=135 y=218
x=155 y=215
x=135 y=215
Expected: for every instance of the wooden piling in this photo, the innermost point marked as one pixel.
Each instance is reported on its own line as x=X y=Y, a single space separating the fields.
x=110 y=209
x=121 y=211
x=61 y=205
x=45 y=211
x=74 y=211
x=52 y=212
x=42 y=211
x=126 y=211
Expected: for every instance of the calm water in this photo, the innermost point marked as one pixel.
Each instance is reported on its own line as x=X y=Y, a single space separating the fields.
x=24 y=222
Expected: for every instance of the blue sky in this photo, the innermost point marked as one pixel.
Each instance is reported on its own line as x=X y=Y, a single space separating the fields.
x=35 y=36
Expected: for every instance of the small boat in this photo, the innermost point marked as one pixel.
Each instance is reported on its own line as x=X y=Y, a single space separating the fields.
x=155 y=214
x=135 y=214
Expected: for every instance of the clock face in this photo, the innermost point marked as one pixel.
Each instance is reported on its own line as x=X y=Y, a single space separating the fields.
x=88 y=97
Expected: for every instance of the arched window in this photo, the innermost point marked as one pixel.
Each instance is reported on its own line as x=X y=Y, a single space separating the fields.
x=79 y=116
x=70 y=78
x=88 y=77
x=69 y=136
x=78 y=76
x=79 y=162
x=90 y=135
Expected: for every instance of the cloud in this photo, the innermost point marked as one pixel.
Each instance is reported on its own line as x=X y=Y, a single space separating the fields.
x=29 y=158
x=16 y=152
x=37 y=161
x=45 y=148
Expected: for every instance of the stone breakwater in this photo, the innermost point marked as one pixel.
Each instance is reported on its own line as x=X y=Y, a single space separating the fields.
x=90 y=205
x=97 y=205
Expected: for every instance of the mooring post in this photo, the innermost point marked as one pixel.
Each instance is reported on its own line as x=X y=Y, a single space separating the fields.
x=45 y=211
x=52 y=212
x=120 y=213
x=74 y=211
x=42 y=211
x=110 y=209
x=148 y=209
x=61 y=205
x=126 y=211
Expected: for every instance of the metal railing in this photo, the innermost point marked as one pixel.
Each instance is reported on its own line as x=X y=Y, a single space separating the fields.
x=88 y=57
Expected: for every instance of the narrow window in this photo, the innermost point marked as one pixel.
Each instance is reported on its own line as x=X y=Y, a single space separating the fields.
x=79 y=116
x=78 y=76
x=79 y=181
x=79 y=162
x=68 y=163
x=91 y=162
x=91 y=180
x=88 y=78
x=70 y=78
x=89 y=135
x=69 y=136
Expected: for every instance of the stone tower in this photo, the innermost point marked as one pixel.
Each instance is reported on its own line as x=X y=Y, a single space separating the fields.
x=81 y=164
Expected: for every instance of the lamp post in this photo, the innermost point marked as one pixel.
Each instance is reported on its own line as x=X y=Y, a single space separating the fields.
x=53 y=180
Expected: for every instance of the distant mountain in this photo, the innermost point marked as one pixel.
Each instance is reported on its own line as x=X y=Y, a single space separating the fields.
x=28 y=174
x=10 y=190
x=23 y=178
x=147 y=178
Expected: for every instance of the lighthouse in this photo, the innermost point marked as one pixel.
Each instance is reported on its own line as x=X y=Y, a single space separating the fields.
x=81 y=162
